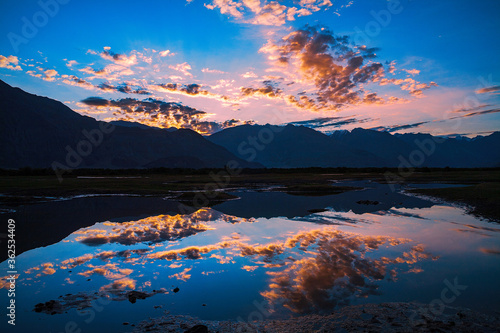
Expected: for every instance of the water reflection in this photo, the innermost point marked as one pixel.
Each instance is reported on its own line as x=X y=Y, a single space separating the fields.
x=309 y=270
x=153 y=229
x=339 y=269
x=308 y=264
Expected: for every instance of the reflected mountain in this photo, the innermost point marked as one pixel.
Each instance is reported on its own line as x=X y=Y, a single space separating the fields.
x=273 y=204
x=310 y=270
x=58 y=219
x=179 y=262
x=55 y=220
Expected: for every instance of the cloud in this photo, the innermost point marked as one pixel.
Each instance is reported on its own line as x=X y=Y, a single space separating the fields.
x=10 y=62
x=190 y=90
x=91 y=71
x=50 y=75
x=329 y=122
x=267 y=90
x=184 y=68
x=395 y=128
x=73 y=80
x=412 y=71
x=213 y=71
x=166 y=53
x=71 y=63
x=493 y=90
x=123 y=88
x=272 y=13
x=95 y=101
x=249 y=74
x=339 y=71
x=414 y=87
x=264 y=12
x=119 y=59
x=477 y=113
x=154 y=112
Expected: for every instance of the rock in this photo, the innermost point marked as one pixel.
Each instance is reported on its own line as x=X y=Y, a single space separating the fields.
x=317 y=210
x=51 y=307
x=134 y=295
x=197 y=329
x=367 y=202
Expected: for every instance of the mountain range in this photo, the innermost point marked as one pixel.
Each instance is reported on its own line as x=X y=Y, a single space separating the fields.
x=40 y=132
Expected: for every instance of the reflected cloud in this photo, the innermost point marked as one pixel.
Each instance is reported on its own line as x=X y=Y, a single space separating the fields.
x=490 y=250
x=312 y=270
x=183 y=276
x=151 y=229
x=483 y=231
x=109 y=271
x=339 y=270
x=154 y=229
x=119 y=285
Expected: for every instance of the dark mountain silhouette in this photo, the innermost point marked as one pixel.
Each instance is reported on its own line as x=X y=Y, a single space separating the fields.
x=296 y=146
x=38 y=131
x=291 y=147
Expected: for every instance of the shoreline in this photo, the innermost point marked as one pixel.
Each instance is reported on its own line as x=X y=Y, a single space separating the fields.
x=383 y=317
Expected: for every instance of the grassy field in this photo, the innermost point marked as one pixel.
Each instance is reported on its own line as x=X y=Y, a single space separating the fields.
x=483 y=193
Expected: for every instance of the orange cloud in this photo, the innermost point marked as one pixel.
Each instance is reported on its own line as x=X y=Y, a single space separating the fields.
x=10 y=62
x=338 y=71
x=338 y=270
x=266 y=12
x=50 y=75
x=151 y=229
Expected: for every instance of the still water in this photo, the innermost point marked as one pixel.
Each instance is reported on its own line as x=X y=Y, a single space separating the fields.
x=270 y=253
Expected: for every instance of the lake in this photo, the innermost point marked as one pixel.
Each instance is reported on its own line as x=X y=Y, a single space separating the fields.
x=106 y=261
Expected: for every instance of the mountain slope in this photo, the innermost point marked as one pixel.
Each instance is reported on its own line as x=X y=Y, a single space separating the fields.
x=297 y=146
x=38 y=131
x=291 y=147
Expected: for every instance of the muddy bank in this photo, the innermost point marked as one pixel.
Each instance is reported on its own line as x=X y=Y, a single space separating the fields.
x=385 y=317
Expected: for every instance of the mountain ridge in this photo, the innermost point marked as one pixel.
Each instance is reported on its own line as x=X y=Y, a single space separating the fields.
x=40 y=132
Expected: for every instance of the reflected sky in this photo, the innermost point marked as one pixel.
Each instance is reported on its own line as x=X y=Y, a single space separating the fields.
x=215 y=265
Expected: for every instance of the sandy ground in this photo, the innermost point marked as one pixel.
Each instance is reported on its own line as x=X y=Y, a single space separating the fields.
x=385 y=317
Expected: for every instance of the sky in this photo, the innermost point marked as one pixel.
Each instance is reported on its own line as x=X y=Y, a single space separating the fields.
x=397 y=66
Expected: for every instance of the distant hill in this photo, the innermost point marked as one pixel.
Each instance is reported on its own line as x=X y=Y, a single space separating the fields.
x=297 y=146
x=38 y=131
x=291 y=147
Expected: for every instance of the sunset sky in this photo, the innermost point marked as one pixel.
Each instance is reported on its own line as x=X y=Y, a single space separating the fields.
x=401 y=66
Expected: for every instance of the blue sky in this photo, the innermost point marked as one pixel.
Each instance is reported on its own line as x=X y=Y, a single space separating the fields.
x=407 y=66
